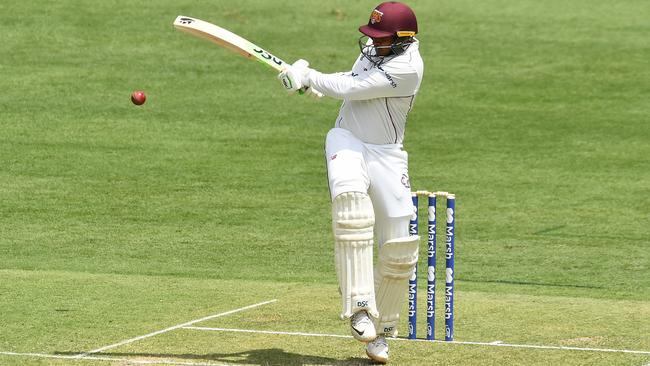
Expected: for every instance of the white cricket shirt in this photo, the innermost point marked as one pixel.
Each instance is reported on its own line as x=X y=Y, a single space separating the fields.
x=376 y=99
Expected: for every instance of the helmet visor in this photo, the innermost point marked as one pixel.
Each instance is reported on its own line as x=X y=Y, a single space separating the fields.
x=374 y=33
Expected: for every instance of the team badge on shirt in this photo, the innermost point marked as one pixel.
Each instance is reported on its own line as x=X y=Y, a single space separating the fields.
x=375 y=17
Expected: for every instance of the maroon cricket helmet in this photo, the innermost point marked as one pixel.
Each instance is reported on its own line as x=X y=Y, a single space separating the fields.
x=391 y=18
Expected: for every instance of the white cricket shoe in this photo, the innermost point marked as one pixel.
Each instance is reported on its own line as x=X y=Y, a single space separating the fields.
x=377 y=350
x=363 y=329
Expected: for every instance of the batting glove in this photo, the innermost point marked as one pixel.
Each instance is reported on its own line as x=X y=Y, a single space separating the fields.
x=294 y=77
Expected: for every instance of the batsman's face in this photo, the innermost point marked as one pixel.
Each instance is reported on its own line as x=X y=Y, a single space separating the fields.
x=382 y=45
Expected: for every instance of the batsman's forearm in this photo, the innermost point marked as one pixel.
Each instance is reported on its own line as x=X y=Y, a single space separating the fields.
x=346 y=86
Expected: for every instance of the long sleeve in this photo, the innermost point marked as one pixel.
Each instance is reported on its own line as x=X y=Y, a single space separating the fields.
x=374 y=83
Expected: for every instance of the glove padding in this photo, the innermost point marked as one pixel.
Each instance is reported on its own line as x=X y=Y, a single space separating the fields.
x=294 y=77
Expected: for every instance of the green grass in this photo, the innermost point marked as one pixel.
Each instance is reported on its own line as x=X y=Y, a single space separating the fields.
x=104 y=309
x=117 y=221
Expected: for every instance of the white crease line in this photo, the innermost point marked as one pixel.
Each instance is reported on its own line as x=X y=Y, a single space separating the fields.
x=173 y=328
x=491 y=344
x=114 y=359
x=272 y=332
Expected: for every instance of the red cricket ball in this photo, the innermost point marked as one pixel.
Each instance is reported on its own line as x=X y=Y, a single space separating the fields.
x=138 y=97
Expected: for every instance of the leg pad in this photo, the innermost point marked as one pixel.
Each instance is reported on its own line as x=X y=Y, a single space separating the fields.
x=396 y=263
x=353 y=219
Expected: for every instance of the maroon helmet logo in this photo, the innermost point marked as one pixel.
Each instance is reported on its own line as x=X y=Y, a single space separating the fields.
x=375 y=17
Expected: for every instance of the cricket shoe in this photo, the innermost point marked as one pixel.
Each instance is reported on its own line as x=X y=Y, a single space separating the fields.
x=363 y=329
x=377 y=350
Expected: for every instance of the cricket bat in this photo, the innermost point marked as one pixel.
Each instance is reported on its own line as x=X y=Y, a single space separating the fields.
x=229 y=40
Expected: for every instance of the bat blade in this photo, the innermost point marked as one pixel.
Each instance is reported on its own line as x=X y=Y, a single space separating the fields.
x=227 y=39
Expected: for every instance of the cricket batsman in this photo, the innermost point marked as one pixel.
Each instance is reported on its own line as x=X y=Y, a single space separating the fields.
x=367 y=170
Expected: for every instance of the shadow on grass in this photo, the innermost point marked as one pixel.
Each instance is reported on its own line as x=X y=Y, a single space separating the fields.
x=266 y=357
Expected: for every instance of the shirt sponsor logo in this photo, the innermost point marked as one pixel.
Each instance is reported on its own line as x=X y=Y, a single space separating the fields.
x=390 y=78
